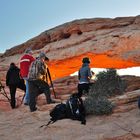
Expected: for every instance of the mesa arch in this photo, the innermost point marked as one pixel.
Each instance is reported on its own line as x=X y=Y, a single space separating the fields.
x=66 y=67
x=109 y=43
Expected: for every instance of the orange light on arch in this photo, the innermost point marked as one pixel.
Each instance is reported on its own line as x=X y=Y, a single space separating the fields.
x=66 y=67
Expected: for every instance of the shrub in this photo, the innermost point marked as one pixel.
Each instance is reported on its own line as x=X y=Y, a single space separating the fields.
x=107 y=84
x=110 y=83
x=98 y=106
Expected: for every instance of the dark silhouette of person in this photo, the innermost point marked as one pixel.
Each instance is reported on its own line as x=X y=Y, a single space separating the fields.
x=13 y=81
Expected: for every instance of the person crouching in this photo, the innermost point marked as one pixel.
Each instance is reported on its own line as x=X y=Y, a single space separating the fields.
x=37 y=84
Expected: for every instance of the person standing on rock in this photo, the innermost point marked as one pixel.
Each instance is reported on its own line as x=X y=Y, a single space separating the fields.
x=25 y=63
x=37 y=83
x=84 y=76
x=14 y=81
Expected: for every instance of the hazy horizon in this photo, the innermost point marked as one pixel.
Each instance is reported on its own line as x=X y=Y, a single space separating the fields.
x=133 y=71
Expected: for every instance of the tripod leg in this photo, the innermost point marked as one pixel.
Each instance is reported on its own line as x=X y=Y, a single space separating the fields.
x=5 y=94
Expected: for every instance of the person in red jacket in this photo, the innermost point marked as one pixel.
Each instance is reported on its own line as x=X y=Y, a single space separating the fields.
x=25 y=63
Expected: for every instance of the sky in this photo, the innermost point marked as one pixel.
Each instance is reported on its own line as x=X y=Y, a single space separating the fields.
x=127 y=71
x=21 y=20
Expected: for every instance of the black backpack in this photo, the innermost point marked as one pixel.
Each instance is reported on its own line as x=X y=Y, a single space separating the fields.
x=75 y=108
x=57 y=113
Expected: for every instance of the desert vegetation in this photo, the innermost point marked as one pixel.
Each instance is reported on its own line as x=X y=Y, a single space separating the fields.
x=107 y=84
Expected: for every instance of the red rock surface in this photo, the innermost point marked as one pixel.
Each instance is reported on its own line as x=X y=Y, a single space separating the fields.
x=108 y=42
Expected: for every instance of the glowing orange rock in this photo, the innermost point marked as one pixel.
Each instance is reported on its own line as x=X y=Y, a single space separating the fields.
x=66 y=67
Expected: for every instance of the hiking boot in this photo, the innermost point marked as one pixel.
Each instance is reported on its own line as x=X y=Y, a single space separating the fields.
x=33 y=109
x=26 y=104
x=51 y=102
x=83 y=122
x=13 y=107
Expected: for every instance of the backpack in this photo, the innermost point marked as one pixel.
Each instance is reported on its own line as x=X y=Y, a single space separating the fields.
x=75 y=108
x=13 y=76
x=57 y=113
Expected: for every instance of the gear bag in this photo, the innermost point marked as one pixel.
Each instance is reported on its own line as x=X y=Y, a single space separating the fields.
x=75 y=108
x=57 y=113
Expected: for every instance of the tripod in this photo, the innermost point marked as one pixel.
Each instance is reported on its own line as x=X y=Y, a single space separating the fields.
x=3 y=92
x=51 y=82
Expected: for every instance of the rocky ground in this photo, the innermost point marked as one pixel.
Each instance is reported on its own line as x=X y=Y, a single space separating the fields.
x=21 y=124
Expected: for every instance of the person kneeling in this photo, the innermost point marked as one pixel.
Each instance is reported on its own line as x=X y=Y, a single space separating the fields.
x=37 y=81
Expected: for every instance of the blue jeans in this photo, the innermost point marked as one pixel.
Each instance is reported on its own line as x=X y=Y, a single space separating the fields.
x=26 y=98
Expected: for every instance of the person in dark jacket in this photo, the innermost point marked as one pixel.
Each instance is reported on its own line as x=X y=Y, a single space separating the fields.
x=84 y=76
x=13 y=81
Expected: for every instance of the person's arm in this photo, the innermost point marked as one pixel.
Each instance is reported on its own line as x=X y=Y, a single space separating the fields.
x=92 y=73
x=32 y=59
x=89 y=73
x=79 y=76
x=7 y=78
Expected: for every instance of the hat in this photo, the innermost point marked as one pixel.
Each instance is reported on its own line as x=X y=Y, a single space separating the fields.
x=86 y=60
x=42 y=55
x=28 y=50
x=12 y=64
x=46 y=59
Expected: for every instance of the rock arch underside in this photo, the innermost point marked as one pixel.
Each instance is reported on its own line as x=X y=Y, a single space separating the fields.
x=109 y=43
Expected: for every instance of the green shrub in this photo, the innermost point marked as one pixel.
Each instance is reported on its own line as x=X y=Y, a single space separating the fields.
x=98 y=106
x=110 y=82
x=107 y=84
